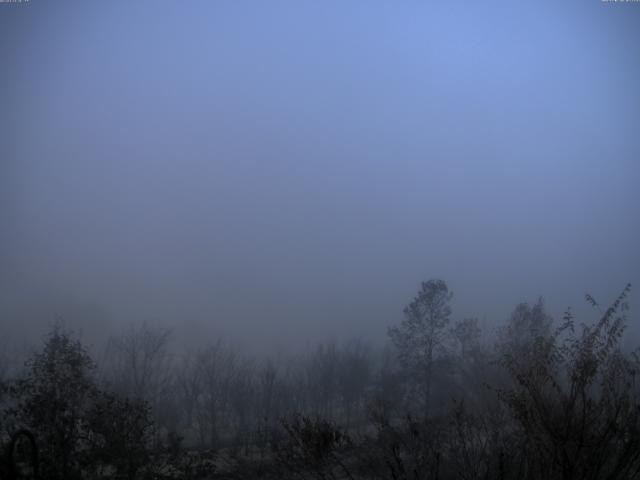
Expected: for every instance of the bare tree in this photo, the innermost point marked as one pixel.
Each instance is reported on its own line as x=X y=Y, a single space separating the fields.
x=139 y=366
x=271 y=395
x=190 y=387
x=466 y=333
x=526 y=325
x=422 y=333
x=354 y=376
x=322 y=379
x=217 y=366
x=242 y=401
x=389 y=389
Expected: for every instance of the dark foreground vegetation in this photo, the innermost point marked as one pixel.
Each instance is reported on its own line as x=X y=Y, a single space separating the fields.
x=540 y=400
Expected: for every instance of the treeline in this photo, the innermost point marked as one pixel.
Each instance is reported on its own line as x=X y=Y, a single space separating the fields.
x=538 y=400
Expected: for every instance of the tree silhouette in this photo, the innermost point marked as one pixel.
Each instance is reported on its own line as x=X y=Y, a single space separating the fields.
x=52 y=400
x=422 y=333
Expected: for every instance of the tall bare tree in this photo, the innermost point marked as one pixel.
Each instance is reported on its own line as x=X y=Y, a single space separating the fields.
x=139 y=366
x=422 y=333
x=354 y=376
x=217 y=366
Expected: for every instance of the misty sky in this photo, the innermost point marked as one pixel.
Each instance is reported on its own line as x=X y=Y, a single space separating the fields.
x=279 y=172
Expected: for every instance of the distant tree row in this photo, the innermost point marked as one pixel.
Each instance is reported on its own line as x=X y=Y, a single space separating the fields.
x=539 y=400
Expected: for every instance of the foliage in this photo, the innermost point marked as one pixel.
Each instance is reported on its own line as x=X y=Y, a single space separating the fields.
x=410 y=450
x=315 y=448
x=79 y=428
x=118 y=431
x=52 y=401
x=576 y=403
x=563 y=404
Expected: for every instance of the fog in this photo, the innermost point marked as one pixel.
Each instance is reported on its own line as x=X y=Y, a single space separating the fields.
x=281 y=173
